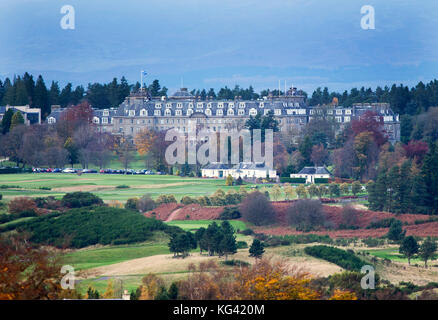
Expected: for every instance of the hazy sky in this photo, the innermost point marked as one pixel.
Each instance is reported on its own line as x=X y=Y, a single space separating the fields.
x=308 y=43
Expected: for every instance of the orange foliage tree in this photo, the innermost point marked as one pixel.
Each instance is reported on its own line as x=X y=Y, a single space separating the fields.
x=28 y=272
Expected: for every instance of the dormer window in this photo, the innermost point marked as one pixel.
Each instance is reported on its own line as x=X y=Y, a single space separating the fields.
x=230 y=112
x=277 y=112
x=105 y=120
x=253 y=112
x=168 y=105
x=208 y=112
x=241 y=112
x=167 y=112
x=51 y=120
x=231 y=105
x=179 y=105
x=219 y=112
x=191 y=105
x=189 y=111
x=209 y=105
x=158 y=106
x=157 y=113
x=200 y=105
x=220 y=105
x=177 y=112
x=241 y=104
x=132 y=113
x=96 y=120
x=348 y=111
x=143 y=112
x=261 y=105
x=105 y=113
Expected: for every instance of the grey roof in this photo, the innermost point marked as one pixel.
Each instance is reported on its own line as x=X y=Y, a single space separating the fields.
x=251 y=166
x=314 y=170
x=217 y=166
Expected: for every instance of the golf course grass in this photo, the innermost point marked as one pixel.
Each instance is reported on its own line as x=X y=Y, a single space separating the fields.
x=105 y=185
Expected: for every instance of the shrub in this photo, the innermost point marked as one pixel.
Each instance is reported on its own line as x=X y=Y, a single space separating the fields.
x=230 y=213
x=83 y=227
x=21 y=204
x=257 y=209
x=396 y=232
x=235 y=262
x=242 y=245
x=187 y=200
x=384 y=223
x=123 y=186
x=344 y=259
x=132 y=204
x=292 y=180
x=146 y=203
x=80 y=199
x=165 y=198
x=373 y=242
x=350 y=216
x=247 y=232
x=306 y=215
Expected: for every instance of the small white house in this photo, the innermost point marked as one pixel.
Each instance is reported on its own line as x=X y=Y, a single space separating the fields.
x=215 y=170
x=312 y=173
x=251 y=170
x=244 y=170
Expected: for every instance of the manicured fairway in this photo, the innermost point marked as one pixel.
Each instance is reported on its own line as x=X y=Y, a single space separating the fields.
x=193 y=225
x=104 y=185
x=392 y=254
x=97 y=257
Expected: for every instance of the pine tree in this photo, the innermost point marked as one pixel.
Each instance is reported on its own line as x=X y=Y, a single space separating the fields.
x=427 y=250
x=409 y=247
x=6 y=121
x=9 y=93
x=21 y=95
x=54 y=94
x=41 y=97
x=257 y=249
x=430 y=173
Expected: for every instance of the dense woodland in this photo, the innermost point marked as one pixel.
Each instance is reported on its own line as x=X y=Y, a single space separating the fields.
x=26 y=89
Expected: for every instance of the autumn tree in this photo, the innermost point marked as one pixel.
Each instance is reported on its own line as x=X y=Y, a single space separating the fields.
x=257 y=209
x=125 y=152
x=28 y=272
x=319 y=155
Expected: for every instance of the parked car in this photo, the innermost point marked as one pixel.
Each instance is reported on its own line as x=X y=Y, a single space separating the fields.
x=69 y=170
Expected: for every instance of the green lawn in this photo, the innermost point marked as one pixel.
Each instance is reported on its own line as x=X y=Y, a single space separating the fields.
x=104 y=185
x=193 y=225
x=97 y=257
x=392 y=254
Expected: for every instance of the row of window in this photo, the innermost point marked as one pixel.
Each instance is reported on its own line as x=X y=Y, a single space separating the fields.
x=220 y=105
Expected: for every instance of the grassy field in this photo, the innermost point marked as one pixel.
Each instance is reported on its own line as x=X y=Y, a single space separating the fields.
x=193 y=225
x=104 y=185
x=96 y=257
x=392 y=254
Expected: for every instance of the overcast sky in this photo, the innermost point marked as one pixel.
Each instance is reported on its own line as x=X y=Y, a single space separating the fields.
x=308 y=43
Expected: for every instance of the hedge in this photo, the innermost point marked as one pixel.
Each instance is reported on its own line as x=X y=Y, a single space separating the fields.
x=321 y=180
x=292 y=180
x=8 y=170
x=344 y=259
